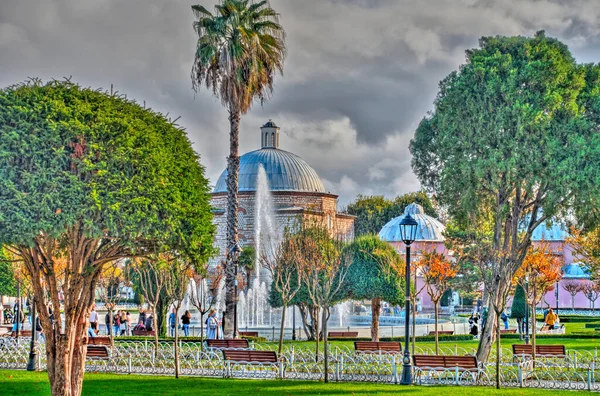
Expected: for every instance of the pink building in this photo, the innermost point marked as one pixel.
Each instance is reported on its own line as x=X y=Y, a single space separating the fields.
x=551 y=234
x=429 y=238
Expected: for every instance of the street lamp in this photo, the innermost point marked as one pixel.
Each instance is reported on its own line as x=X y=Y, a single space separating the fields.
x=408 y=234
x=556 y=294
x=527 y=308
x=32 y=364
x=235 y=250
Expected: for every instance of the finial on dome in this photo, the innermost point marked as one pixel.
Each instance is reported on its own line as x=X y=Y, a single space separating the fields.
x=413 y=209
x=269 y=135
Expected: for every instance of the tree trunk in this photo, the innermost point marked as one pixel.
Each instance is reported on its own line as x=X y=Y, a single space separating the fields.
x=573 y=302
x=498 y=351
x=520 y=327
x=437 y=341
x=201 y=330
x=325 y=347
x=282 y=328
x=316 y=329
x=110 y=324
x=233 y=167
x=533 y=331
x=488 y=335
x=305 y=325
x=375 y=309
x=177 y=342
x=155 y=328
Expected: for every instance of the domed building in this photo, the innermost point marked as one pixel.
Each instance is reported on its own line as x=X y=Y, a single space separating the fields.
x=429 y=237
x=297 y=194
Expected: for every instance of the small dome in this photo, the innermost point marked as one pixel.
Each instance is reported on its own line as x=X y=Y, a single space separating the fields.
x=575 y=270
x=429 y=228
x=550 y=231
x=270 y=124
x=285 y=171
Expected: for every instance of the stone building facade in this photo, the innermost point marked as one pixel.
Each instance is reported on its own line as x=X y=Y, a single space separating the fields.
x=298 y=195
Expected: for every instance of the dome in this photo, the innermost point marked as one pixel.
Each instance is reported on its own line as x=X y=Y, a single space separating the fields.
x=285 y=171
x=575 y=270
x=429 y=228
x=550 y=231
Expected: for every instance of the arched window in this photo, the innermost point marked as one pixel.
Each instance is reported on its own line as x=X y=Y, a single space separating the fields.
x=273 y=140
x=266 y=139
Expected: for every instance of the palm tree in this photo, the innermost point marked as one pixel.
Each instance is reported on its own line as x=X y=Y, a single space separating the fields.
x=240 y=49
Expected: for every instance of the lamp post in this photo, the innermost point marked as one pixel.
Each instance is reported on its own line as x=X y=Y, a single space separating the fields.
x=293 y=323
x=556 y=295
x=527 y=308
x=235 y=250
x=408 y=234
x=32 y=364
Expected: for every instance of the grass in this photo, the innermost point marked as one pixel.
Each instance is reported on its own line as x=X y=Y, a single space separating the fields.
x=24 y=383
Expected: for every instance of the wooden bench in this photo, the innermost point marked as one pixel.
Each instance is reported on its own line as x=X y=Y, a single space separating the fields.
x=443 y=362
x=142 y=333
x=97 y=352
x=248 y=333
x=22 y=333
x=101 y=340
x=508 y=331
x=442 y=332
x=377 y=347
x=252 y=357
x=342 y=334
x=553 y=351
x=227 y=344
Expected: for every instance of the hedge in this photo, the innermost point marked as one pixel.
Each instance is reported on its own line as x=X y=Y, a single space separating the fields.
x=444 y=337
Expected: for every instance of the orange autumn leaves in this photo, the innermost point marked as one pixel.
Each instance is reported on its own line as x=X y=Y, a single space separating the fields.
x=542 y=268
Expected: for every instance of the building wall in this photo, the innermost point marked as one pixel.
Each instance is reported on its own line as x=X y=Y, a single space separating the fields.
x=291 y=209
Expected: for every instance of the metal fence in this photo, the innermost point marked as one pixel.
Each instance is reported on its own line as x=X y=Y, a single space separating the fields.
x=575 y=371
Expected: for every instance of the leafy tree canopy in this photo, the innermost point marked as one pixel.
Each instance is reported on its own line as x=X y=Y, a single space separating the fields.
x=373 y=212
x=8 y=284
x=71 y=155
x=376 y=271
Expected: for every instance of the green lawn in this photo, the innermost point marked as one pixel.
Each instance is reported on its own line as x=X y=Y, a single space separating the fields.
x=23 y=383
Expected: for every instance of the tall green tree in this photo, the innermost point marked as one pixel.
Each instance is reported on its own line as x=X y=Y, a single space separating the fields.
x=240 y=50
x=373 y=212
x=518 y=308
x=88 y=177
x=375 y=274
x=512 y=140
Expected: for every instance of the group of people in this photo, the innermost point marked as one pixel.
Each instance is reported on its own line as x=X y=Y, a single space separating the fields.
x=212 y=322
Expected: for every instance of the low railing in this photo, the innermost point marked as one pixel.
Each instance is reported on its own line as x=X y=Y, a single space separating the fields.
x=575 y=371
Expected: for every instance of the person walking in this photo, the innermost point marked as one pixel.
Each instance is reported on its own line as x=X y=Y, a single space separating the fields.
x=185 y=323
x=128 y=322
x=117 y=323
x=551 y=319
x=212 y=324
x=94 y=319
x=172 y=322
x=123 y=323
x=107 y=324
x=504 y=318
x=149 y=322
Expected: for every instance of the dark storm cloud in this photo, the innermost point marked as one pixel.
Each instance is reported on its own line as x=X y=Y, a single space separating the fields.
x=359 y=76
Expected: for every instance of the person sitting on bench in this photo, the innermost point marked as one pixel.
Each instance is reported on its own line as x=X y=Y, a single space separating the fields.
x=551 y=319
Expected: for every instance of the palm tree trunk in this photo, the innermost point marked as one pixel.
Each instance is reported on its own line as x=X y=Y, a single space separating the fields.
x=233 y=168
x=375 y=308
x=325 y=347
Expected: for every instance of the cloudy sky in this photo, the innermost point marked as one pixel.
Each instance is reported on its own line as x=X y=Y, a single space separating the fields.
x=359 y=76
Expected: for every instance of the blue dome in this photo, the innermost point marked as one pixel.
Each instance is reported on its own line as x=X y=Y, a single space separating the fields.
x=429 y=228
x=550 y=231
x=285 y=171
x=575 y=270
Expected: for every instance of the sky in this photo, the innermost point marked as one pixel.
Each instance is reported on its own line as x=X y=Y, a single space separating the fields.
x=359 y=76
